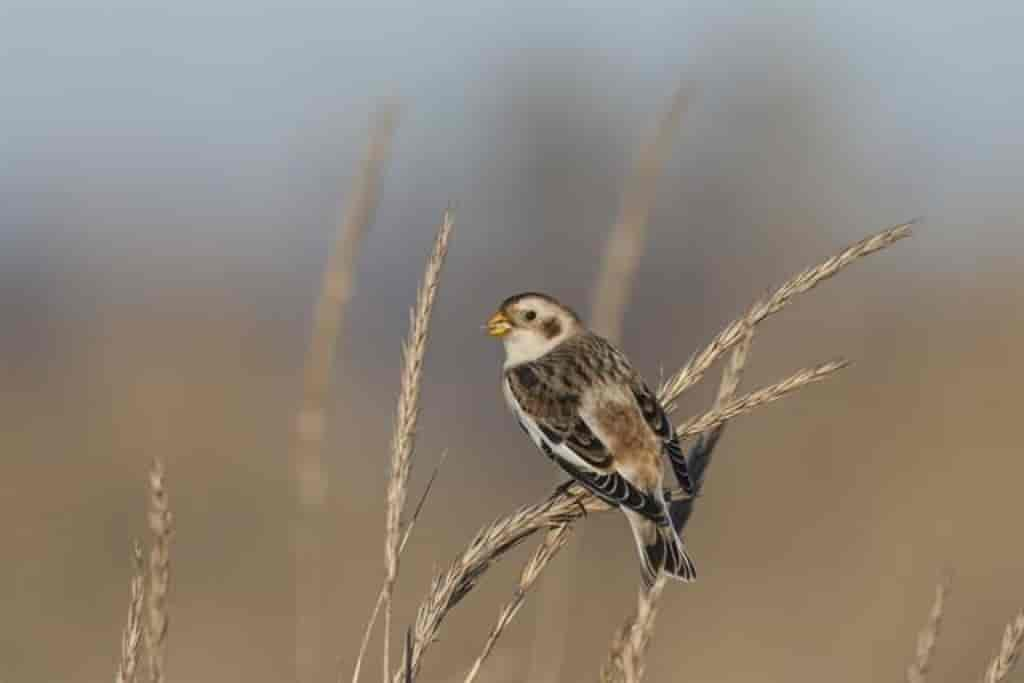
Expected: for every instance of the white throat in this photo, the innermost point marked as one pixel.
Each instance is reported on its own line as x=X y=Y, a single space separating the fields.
x=523 y=346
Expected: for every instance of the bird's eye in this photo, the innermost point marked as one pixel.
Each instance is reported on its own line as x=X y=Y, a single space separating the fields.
x=530 y=315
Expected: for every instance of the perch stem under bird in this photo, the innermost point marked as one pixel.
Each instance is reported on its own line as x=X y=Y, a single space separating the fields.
x=567 y=504
x=563 y=507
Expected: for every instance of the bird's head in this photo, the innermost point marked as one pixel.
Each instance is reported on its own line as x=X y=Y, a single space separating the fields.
x=530 y=325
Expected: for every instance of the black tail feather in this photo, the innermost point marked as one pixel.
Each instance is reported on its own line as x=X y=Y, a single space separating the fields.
x=674 y=560
x=661 y=550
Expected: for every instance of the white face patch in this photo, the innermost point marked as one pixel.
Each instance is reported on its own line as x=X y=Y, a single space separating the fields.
x=528 y=342
x=523 y=346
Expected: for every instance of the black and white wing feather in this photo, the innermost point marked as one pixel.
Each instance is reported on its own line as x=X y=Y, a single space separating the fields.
x=547 y=408
x=654 y=413
x=614 y=489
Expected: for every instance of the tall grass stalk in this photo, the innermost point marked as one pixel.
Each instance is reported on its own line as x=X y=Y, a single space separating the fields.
x=404 y=438
x=310 y=424
x=131 y=637
x=160 y=525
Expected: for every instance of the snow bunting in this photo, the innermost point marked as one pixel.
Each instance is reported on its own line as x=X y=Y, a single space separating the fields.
x=585 y=407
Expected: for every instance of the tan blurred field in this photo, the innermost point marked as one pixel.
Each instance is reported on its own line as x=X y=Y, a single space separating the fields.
x=153 y=307
x=827 y=518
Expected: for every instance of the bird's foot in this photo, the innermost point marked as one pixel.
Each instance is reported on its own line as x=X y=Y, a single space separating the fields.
x=565 y=489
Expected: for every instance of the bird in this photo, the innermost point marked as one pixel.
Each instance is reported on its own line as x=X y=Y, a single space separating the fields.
x=585 y=407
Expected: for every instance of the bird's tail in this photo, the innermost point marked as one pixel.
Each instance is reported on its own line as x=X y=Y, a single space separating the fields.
x=661 y=549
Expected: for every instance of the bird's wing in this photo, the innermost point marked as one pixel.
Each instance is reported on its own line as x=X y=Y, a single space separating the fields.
x=548 y=407
x=615 y=489
x=548 y=410
x=613 y=366
x=654 y=413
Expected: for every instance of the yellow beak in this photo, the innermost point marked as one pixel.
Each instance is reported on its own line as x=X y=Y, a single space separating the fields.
x=498 y=325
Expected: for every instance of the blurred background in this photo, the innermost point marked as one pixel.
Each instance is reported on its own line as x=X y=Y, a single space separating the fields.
x=171 y=180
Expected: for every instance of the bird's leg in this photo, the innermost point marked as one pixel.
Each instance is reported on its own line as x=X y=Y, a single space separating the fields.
x=564 y=489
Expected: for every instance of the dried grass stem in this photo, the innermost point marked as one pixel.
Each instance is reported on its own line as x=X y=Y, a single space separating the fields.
x=160 y=524
x=626 y=241
x=929 y=635
x=311 y=422
x=404 y=438
x=553 y=541
x=1009 y=651
x=694 y=370
x=132 y=634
